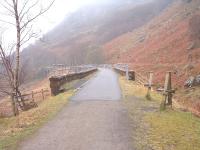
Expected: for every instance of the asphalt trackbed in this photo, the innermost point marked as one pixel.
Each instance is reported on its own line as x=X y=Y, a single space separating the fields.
x=95 y=119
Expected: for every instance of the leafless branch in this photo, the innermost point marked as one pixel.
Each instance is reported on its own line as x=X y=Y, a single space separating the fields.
x=23 y=7
x=8 y=3
x=25 y=12
x=7 y=14
x=42 y=11
x=7 y=22
x=8 y=7
x=27 y=33
x=30 y=36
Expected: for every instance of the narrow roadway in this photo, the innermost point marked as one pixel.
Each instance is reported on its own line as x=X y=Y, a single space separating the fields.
x=103 y=87
x=95 y=119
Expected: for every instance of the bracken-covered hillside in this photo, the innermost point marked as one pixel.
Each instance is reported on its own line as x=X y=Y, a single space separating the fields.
x=169 y=42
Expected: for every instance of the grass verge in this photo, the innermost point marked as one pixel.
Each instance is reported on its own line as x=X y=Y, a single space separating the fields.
x=156 y=130
x=15 y=129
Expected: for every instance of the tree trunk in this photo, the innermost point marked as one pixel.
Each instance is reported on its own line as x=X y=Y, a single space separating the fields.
x=17 y=52
x=14 y=105
x=16 y=78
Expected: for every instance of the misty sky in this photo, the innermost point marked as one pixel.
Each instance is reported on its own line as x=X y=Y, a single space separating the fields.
x=49 y=20
x=46 y=22
x=60 y=9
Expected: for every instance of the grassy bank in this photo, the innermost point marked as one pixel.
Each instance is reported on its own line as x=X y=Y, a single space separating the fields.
x=15 y=129
x=156 y=130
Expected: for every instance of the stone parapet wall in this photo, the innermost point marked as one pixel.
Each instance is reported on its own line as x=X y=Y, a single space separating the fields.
x=57 y=81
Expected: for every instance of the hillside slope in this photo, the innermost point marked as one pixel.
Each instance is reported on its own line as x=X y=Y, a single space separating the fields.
x=77 y=40
x=171 y=41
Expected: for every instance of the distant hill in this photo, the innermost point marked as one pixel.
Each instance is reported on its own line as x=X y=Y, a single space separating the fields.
x=169 y=42
x=79 y=38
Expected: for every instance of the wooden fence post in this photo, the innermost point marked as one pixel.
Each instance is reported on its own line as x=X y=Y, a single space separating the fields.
x=168 y=91
x=42 y=94
x=149 y=85
x=32 y=94
x=127 y=74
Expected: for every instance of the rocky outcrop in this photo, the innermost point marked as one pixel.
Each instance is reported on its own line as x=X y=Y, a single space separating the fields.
x=193 y=81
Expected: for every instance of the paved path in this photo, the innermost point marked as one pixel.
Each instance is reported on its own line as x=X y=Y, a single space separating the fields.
x=103 y=87
x=95 y=119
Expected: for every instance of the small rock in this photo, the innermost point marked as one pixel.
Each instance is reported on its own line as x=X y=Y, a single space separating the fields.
x=191 y=46
x=190 y=82
x=197 y=80
x=142 y=39
x=193 y=81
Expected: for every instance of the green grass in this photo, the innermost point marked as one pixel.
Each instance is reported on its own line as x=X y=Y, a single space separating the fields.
x=155 y=129
x=15 y=129
x=174 y=130
x=130 y=88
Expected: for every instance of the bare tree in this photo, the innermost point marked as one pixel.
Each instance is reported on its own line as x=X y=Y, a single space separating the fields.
x=21 y=16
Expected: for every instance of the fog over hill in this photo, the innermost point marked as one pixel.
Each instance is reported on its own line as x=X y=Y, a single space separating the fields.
x=78 y=39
